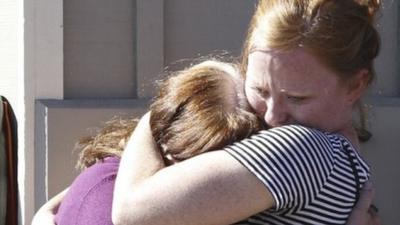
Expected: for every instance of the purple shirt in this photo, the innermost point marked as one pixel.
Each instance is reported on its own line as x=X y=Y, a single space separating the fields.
x=89 y=198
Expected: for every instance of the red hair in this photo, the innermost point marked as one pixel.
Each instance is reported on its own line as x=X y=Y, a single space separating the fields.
x=199 y=109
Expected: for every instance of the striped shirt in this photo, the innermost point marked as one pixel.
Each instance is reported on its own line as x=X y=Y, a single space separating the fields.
x=312 y=175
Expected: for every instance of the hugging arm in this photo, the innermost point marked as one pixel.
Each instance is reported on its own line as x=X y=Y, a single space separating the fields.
x=212 y=188
x=361 y=214
x=193 y=191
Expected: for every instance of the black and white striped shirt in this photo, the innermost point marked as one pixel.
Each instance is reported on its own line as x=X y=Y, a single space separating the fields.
x=308 y=173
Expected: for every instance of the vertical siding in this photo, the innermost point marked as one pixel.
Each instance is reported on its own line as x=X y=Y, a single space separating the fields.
x=387 y=83
x=99 y=49
x=149 y=45
x=382 y=153
x=198 y=28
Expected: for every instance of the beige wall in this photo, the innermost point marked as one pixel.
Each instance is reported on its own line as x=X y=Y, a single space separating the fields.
x=99 y=41
x=199 y=28
x=387 y=83
x=101 y=61
x=382 y=153
x=164 y=32
x=59 y=124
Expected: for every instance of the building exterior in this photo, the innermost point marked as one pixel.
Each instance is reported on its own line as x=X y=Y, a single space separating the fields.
x=67 y=66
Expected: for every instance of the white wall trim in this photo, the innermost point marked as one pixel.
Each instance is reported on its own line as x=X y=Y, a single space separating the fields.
x=41 y=76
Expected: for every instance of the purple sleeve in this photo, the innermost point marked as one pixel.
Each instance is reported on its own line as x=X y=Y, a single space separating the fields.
x=89 y=199
x=97 y=204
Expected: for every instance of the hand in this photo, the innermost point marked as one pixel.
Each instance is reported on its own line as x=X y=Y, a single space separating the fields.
x=47 y=213
x=363 y=213
x=44 y=217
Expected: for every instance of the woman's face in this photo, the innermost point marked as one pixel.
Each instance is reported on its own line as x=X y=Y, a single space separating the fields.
x=295 y=88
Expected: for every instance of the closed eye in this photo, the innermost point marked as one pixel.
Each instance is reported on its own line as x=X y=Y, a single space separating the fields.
x=296 y=99
x=261 y=92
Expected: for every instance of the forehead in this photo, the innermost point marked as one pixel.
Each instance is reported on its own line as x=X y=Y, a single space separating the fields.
x=294 y=68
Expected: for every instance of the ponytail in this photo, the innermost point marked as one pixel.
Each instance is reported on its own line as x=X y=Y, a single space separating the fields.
x=372 y=6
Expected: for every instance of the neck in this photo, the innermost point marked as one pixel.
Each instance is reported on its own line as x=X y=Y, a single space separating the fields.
x=351 y=134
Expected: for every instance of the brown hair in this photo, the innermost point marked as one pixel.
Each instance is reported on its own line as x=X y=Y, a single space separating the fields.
x=198 y=109
x=340 y=33
x=207 y=112
x=110 y=140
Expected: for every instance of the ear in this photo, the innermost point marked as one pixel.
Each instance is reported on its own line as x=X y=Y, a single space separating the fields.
x=357 y=85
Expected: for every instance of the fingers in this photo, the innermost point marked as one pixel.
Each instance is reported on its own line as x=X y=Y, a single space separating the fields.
x=373 y=216
x=365 y=205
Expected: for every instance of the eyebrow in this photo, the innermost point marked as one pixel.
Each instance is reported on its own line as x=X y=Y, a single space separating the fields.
x=304 y=93
x=265 y=50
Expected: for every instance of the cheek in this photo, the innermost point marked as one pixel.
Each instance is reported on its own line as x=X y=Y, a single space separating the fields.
x=256 y=103
x=303 y=115
x=319 y=115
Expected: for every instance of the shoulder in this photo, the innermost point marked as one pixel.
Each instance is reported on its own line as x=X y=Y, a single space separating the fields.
x=94 y=183
x=290 y=138
x=98 y=171
x=284 y=158
x=94 y=176
x=96 y=204
x=293 y=132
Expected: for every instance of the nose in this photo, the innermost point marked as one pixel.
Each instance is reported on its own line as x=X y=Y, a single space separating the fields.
x=276 y=114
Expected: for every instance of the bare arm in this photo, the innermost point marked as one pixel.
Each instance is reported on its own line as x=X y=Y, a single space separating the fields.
x=212 y=188
x=45 y=215
x=140 y=160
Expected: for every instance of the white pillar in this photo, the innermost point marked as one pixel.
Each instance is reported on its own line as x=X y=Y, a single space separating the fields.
x=40 y=75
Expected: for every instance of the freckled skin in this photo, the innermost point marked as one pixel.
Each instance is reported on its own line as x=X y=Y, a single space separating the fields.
x=295 y=88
